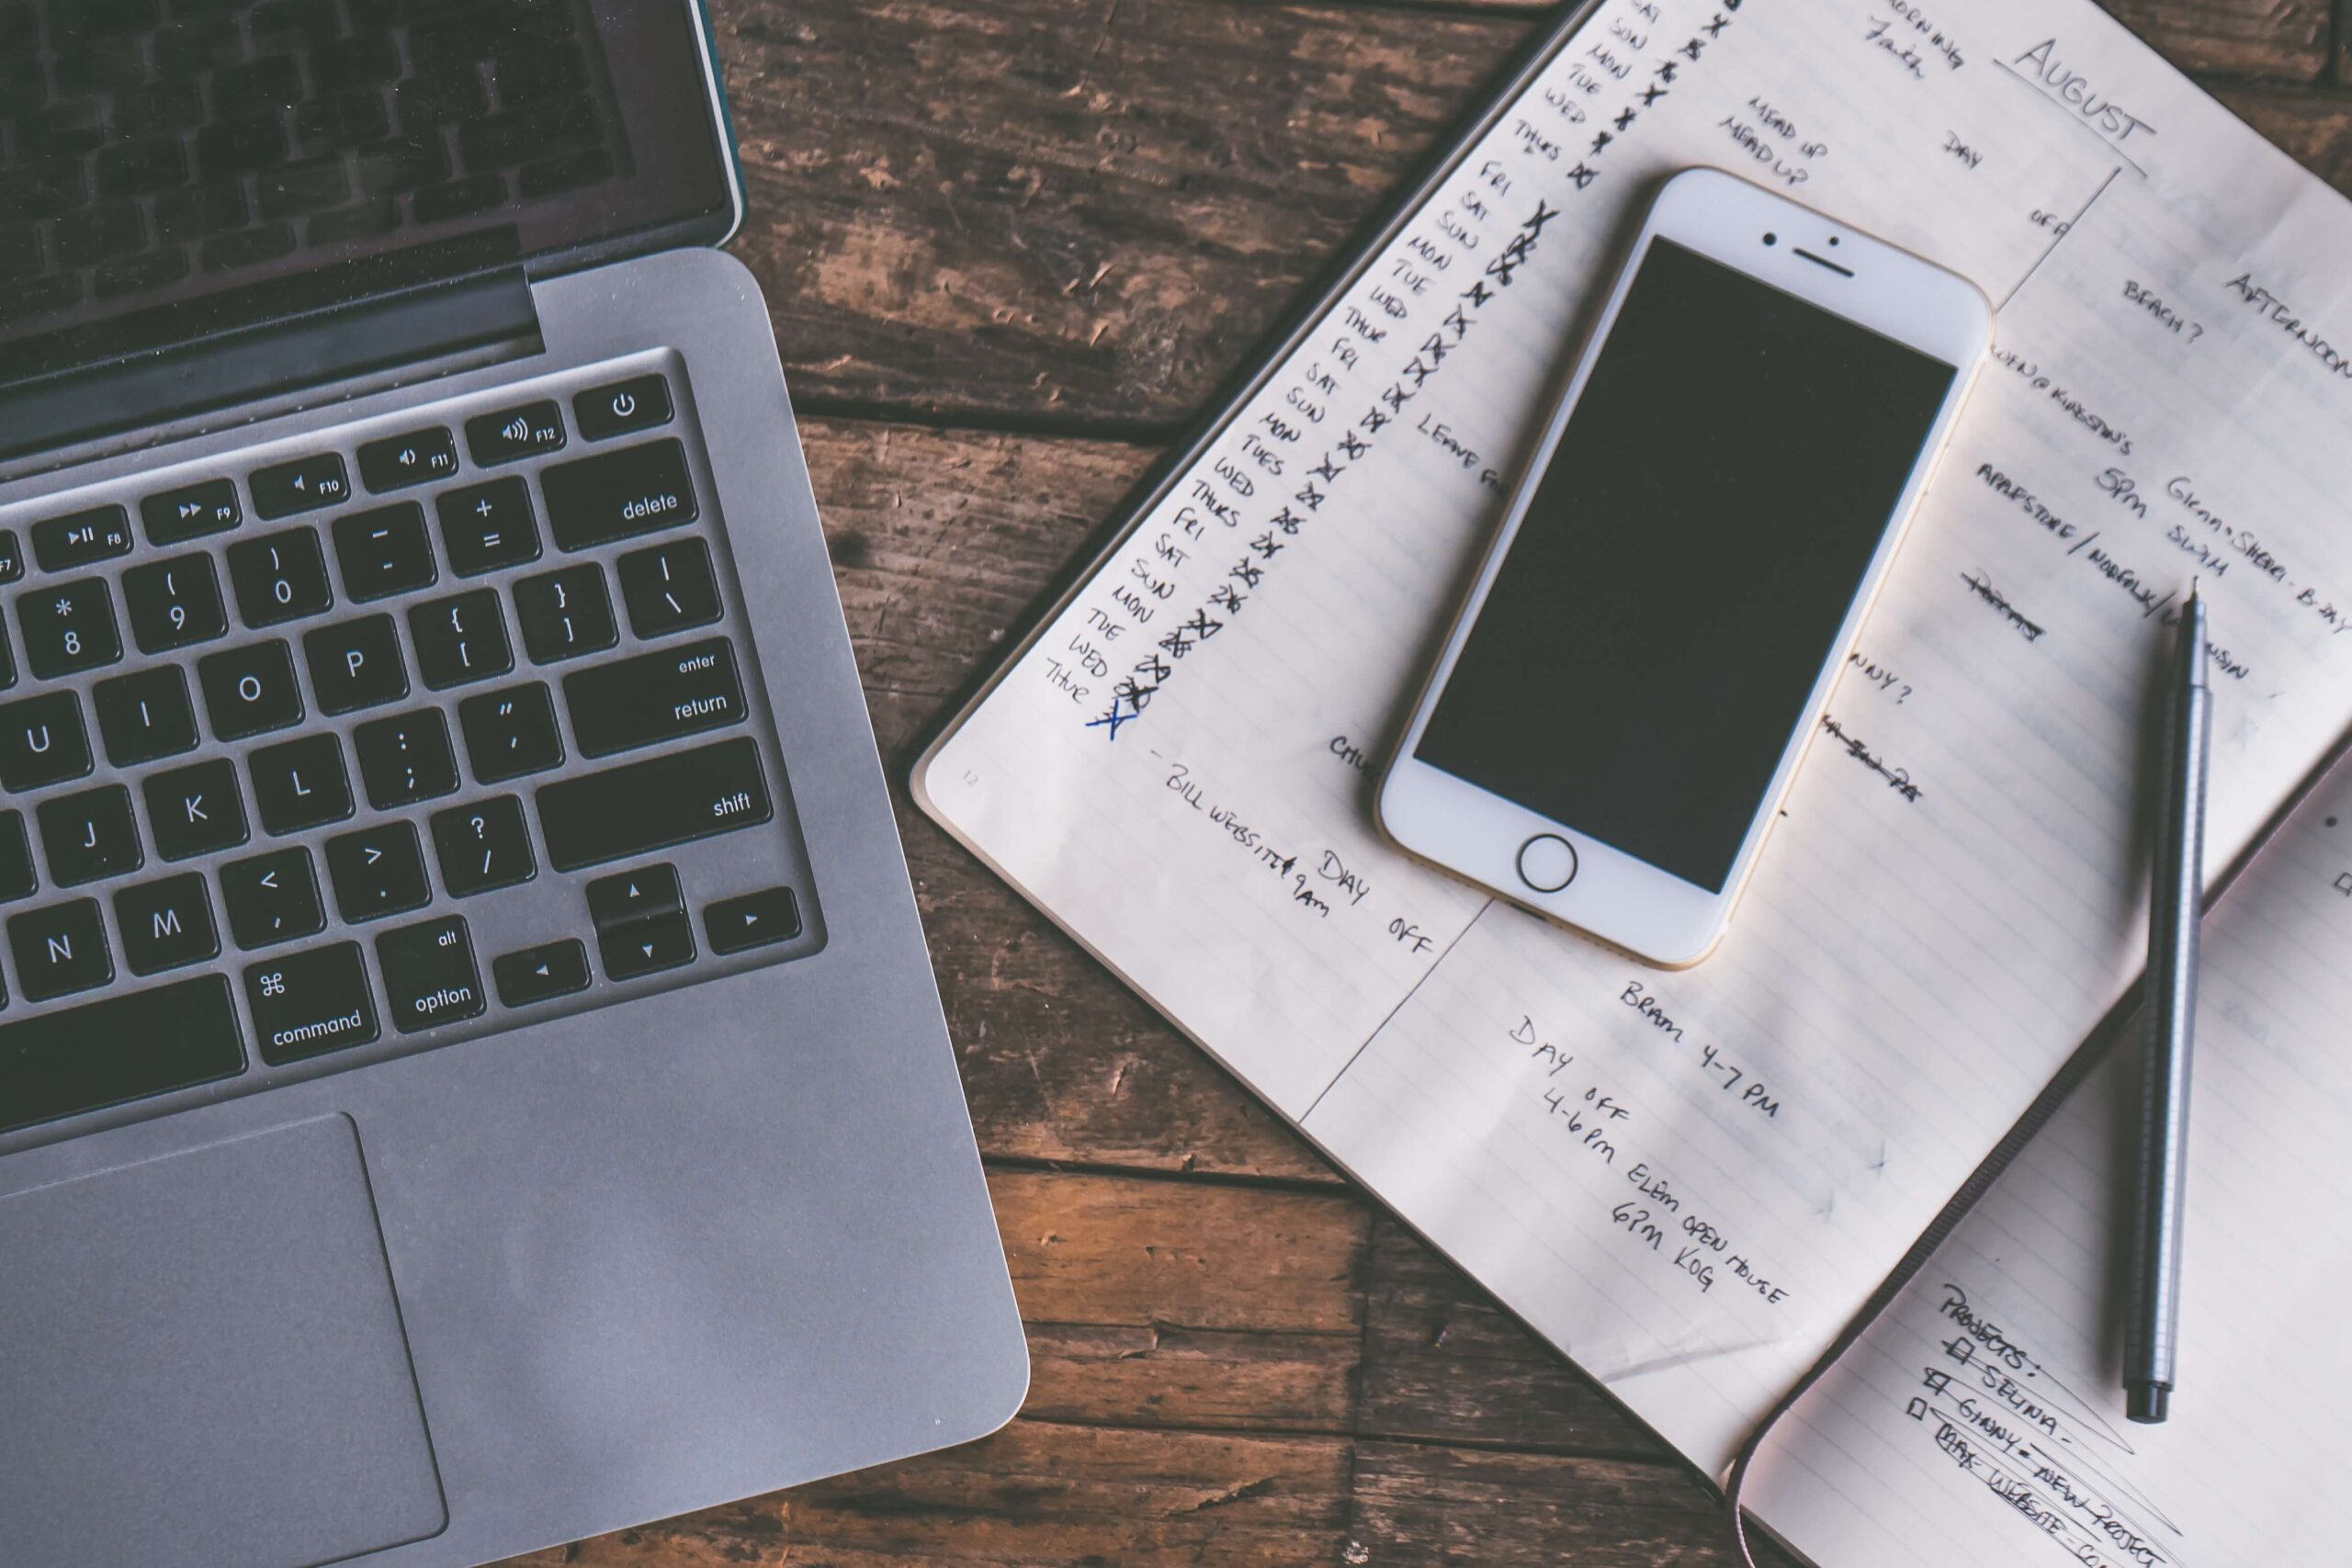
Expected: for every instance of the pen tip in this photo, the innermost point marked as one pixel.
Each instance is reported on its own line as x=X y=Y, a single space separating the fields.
x=2193 y=591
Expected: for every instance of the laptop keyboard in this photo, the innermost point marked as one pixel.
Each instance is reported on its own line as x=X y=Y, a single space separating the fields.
x=145 y=141
x=378 y=742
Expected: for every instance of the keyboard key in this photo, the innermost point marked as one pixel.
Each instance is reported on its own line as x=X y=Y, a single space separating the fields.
x=654 y=698
x=619 y=494
x=418 y=458
x=526 y=431
x=641 y=402
x=279 y=576
x=42 y=741
x=378 y=871
x=272 y=897
x=173 y=604
x=648 y=893
x=117 y=1049
x=755 y=919
x=191 y=512
x=166 y=924
x=429 y=974
x=11 y=556
x=384 y=552
x=460 y=638
x=485 y=527
x=250 y=691
x=308 y=1003
x=669 y=588
x=301 y=784
x=645 y=947
x=60 y=949
x=69 y=627
x=303 y=485
x=145 y=715
x=356 y=664
x=61 y=543
x=565 y=614
x=483 y=845
x=89 y=835
x=405 y=758
x=195 y=810
x=638 y=808
x=511 y=732
x=539 y=973
x=16 y=878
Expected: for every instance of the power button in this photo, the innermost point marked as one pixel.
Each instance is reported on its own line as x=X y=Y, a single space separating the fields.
x=640 y=403
x=1547 y=862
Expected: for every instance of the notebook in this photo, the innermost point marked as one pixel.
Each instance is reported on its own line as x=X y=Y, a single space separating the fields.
x=1693 y=1183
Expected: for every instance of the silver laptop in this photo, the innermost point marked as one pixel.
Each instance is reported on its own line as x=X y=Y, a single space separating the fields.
x=470 y=1077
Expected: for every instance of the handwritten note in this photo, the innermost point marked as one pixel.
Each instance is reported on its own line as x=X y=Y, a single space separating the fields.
x=1178 y=766
x=1982 y=1419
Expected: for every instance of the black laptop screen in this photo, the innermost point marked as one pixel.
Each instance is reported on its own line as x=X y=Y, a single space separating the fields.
x=172 y=168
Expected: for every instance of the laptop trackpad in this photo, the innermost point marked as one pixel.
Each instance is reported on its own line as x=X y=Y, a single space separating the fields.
x=201 y=1360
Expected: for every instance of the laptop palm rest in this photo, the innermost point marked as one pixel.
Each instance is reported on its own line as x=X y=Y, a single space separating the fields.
x=201 y=1360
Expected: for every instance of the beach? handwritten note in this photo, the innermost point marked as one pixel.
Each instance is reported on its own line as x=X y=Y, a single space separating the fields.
x=1178 y=765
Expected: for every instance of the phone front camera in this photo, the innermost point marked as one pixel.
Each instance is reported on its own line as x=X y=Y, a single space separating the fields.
x=1771 y=238
x=1833 y=239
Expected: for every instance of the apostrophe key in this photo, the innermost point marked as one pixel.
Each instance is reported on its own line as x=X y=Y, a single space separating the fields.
x=512 y=433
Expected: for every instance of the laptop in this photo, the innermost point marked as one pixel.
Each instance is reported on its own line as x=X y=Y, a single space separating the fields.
x=470 y=1074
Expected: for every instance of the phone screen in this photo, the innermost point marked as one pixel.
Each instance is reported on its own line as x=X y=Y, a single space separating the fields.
x=1685 y=564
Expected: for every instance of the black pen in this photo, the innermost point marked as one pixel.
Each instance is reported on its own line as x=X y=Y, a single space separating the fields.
x=2173 y=913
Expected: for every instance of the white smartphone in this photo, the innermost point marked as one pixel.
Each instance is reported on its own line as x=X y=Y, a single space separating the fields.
x=1621 y=703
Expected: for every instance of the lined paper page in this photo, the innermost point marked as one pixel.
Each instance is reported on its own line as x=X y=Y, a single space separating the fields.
x=1982 y=1419
x=1178 y=768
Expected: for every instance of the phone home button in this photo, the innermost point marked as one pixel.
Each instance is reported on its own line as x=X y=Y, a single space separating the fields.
x=1547 y=862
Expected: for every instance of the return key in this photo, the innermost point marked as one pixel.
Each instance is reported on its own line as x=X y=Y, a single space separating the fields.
x=654 y=698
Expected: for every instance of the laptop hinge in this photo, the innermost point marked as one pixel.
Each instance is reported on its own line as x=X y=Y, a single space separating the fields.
x=318 y=349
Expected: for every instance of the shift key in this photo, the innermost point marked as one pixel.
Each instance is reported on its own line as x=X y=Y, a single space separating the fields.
x=638 y=808
x=654 y=697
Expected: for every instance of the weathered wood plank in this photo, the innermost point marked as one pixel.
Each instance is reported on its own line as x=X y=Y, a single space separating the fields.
x=2315 y=128
x=1443 y=1362
x=1172 y=1304
x=1043 y=208
x=1420 y=1506
x=1035 y=1496
x=1043 y=1495
x=2287 y=40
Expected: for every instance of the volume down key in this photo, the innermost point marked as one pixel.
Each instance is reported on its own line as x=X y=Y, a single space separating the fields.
x=642 y=807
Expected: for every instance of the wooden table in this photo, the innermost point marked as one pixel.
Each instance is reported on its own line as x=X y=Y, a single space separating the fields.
x=1012 y=248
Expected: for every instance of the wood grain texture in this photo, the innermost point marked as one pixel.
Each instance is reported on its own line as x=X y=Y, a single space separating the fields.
x=1075 y=220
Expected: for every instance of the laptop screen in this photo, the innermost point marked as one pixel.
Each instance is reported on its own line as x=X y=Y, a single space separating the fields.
x=173 y=168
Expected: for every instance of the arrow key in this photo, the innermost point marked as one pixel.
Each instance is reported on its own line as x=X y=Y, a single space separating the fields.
x=755 y=919
x=537 y=974
x=643 y=947
x=647 y=893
